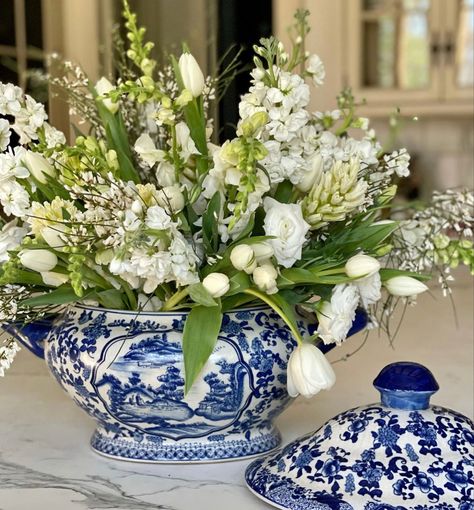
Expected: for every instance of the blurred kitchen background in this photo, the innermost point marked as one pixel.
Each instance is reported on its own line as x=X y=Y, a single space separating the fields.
x=414 y=55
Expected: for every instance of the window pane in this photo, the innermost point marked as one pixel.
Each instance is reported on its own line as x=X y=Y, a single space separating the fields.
x=465 y=44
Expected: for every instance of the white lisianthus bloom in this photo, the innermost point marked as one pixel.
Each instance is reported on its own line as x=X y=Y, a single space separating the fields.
x=361 y=265
x=171 y=199
x=263 y=251
x=10 y=238
x=38 y=166
x=38 y=260
x=148 y=153
x=369 y=289
x=102 y=87
x=265 y=277
x=286 y=224
x=191 y=74
x=243 y=258
x=184 y=141
x=309 y=371
x=336 y=317
x=53 y=278
x=404 y=286
x=217 y=284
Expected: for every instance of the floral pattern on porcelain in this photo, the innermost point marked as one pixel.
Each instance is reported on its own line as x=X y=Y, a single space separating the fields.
x=374 y=458
x=126 y=371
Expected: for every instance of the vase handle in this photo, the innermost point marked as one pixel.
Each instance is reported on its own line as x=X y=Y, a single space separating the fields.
x=31 y=335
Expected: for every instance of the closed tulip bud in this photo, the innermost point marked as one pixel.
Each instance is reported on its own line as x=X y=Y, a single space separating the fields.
x=191 y=74
x=263 y=251
x=54 y=279
x=38 y=260
x=311 y=176
x=405 y=286
x=265 y=277
x=171 y=199
x=217 y=284
x=361 y=265
x=52 y=236
x=243 y=258
x=38 y=166
x=102 y=87
x=309 y=371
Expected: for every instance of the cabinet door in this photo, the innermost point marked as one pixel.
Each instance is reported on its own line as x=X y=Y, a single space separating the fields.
x=394 y=48
x=459 y=49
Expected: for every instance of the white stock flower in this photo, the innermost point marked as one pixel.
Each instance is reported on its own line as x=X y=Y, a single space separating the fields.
x=361 y=265
x=4 y=134
x=103 y=87
x=53 y=136
x=14 y=199
x=38 y=260
x=191 y=74
x=404 y=286
x=10 y=238
x=309 y=371
x=157 y=218
x=146 y=150
x=243 y=258
x=217 y=284
x=265 y=277
x=315 y=68
x=369 y=289
x=285 y=222
x=336 y=317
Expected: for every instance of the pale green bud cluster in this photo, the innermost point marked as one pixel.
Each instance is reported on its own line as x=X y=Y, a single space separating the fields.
x=335 y=195
x=75 y=268
x=453 y=252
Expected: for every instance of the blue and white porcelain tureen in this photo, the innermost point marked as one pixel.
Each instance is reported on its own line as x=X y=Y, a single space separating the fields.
x=400 y=454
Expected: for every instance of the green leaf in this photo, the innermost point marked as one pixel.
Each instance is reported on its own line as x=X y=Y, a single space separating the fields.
x=60 y=296
x=112 y=299
x=200 y=295
x=231 y=302
x=247 y=230
x=210 y=232
x=199 y=338
x=283 y=192
x=386 y=274
x=238 y=283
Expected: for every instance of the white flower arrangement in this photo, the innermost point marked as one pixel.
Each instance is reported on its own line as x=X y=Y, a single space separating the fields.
x=146 y=212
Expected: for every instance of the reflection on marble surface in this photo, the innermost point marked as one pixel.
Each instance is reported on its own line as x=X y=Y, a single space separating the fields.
x=46 y=463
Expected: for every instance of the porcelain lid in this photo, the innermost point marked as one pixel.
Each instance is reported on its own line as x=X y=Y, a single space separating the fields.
x=400 y=454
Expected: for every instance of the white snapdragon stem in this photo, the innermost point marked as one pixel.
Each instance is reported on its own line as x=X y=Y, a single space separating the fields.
x=191 y=74
x=404 y=286
x=102 y=87
x=361 y=265
x=217 y=284
x=38 y=166
x=308 y=371
x=243 y=258
x=38 y=260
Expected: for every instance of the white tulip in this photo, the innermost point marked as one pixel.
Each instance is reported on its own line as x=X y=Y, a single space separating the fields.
x=191 y=74
x=170 y=198
x=149 y=303
x=243 y=258
x=405 y=286
x=52 y=236
x=265 y=277
x=217 y=284
x=102 y=87
x=308 y=371
x=263 y=251
x=361 y=265
x=145 y=148
x=312 y=175
x=38 y=260
x=53 y=278
x=38 y=166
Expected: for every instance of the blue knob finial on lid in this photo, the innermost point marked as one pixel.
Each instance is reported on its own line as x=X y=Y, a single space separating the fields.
x=406 y=385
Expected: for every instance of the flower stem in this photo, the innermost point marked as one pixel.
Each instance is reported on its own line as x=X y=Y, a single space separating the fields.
x=269 y=301
x=175 y=299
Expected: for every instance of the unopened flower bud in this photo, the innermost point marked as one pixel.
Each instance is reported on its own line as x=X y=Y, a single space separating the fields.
x=191 y=74
x=38 y=260
x=265 y=277
x=103 y=87
x=404 y=286
x=263 y=251
x=217 y=284
x=312 y=175
x=361 y=265
x=53 y=278
x=171 y=199
x=38 y=166
x=243 y=258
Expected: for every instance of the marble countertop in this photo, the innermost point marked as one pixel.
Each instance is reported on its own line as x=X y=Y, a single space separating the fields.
x=46 y=463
